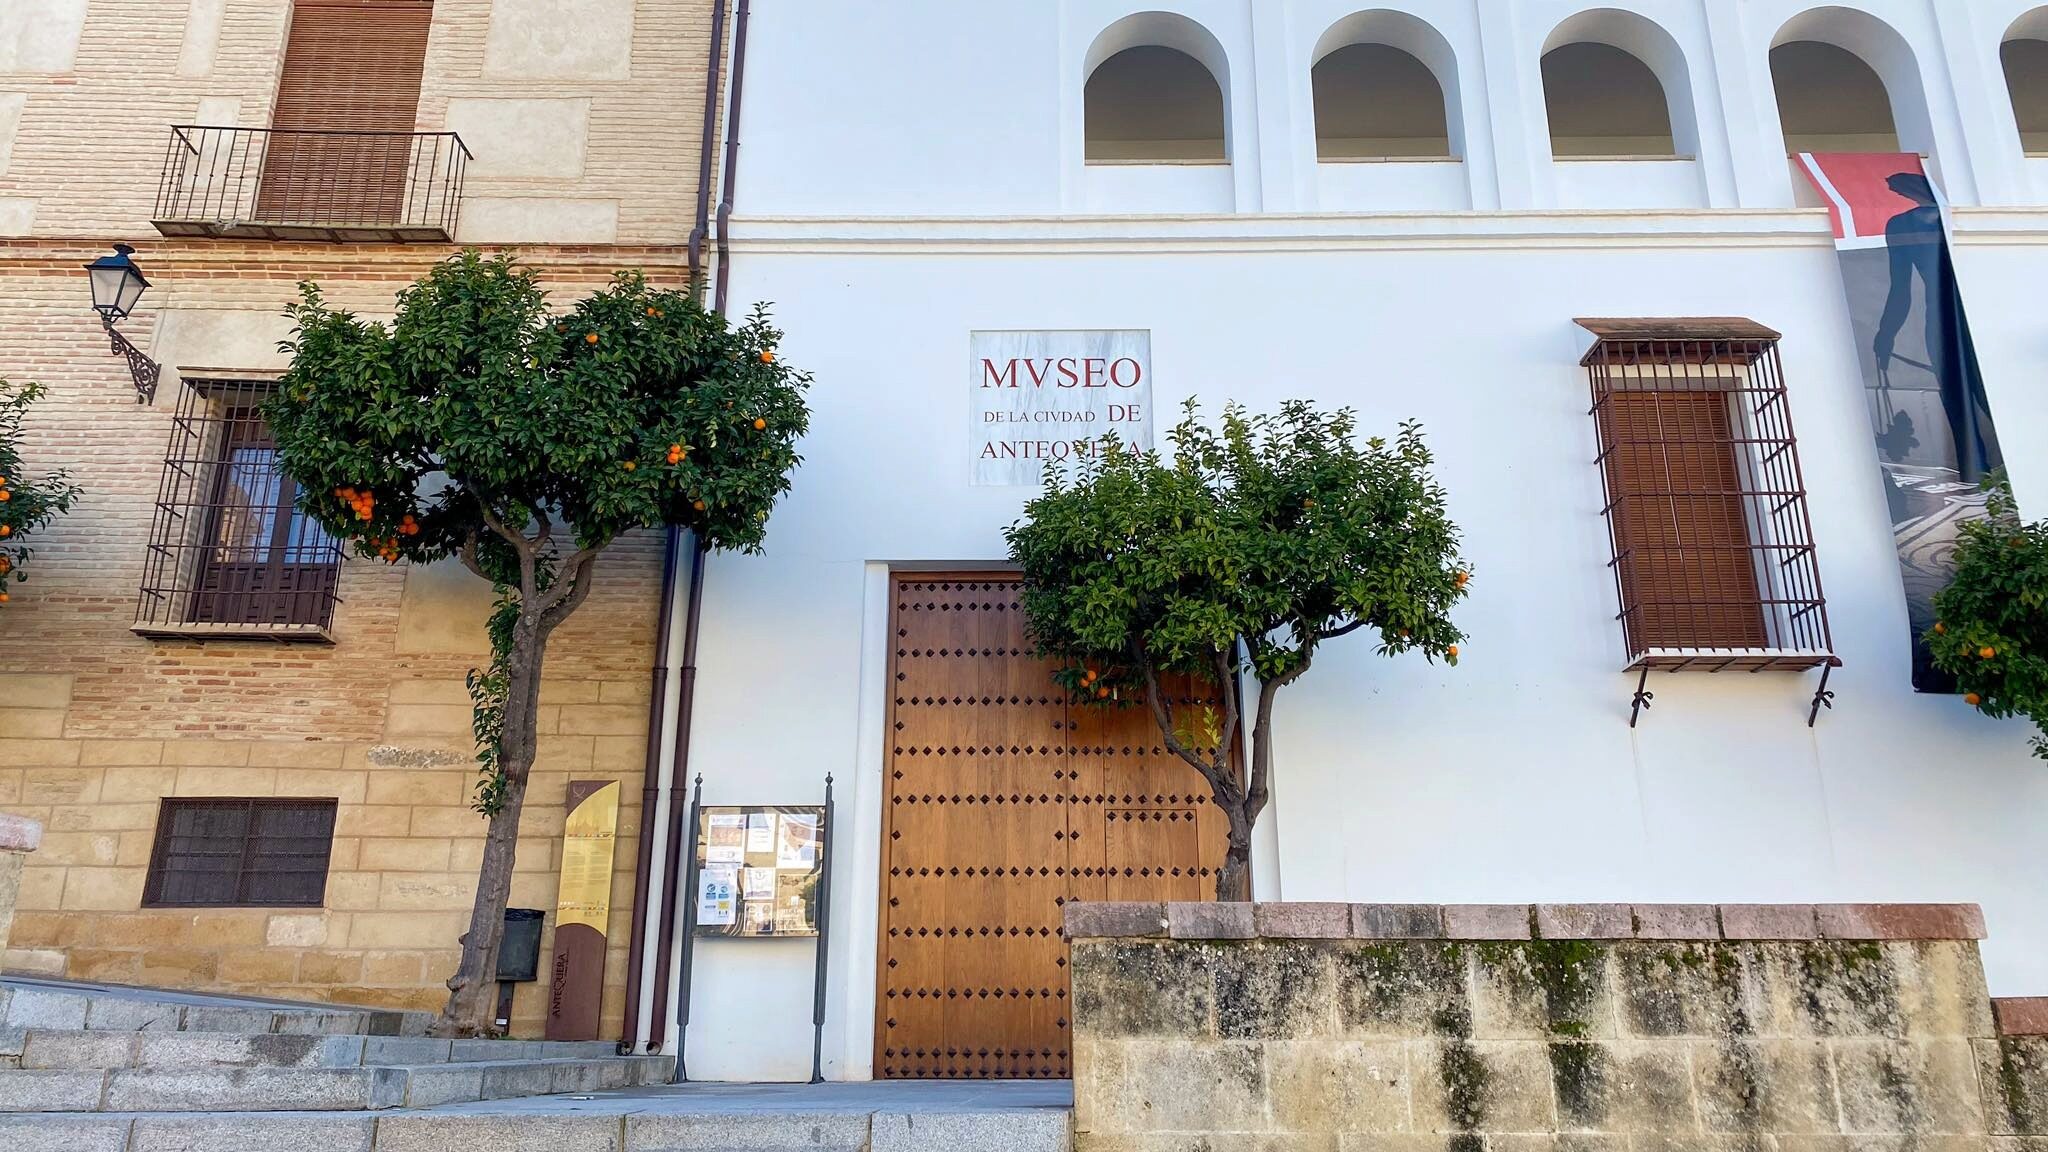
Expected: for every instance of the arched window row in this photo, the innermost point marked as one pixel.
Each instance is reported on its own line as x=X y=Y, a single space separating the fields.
x=1384 y=86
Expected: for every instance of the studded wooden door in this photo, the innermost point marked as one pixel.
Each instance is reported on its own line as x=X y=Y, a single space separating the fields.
x=1002 y=803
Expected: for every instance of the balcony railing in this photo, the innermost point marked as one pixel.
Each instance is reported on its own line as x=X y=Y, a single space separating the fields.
x=274 y=184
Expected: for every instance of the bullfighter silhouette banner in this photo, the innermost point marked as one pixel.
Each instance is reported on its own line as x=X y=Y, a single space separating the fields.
x=1925 y=392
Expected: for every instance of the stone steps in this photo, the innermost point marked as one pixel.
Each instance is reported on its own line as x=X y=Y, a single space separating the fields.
x=63 y=1005
x=621 y=1123
x=317 y=1089
x=41 y=1048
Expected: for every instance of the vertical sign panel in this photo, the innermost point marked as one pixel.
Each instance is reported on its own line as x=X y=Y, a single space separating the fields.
x=1039 y=396
x=583 y=905
x=1928 y=410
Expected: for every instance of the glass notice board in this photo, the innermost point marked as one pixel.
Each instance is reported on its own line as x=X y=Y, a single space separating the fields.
x=759 y=870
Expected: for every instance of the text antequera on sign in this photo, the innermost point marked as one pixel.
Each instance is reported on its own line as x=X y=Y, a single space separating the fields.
x=1053 y=396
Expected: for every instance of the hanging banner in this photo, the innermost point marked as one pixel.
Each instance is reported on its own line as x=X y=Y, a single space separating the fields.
x=583 y=905
x=1925 y=392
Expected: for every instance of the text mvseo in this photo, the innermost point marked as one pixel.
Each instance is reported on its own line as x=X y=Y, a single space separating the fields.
x=1065 y=372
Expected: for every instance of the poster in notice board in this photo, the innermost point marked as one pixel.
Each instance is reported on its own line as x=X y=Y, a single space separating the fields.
x=759 y=870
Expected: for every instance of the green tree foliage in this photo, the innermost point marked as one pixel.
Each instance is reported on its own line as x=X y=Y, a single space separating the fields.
x=1242 y=554
x=483 y=426
x=1992 y=634
x=27 y=504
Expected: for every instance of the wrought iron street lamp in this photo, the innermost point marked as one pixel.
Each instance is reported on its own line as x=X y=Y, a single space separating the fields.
x=116 y=285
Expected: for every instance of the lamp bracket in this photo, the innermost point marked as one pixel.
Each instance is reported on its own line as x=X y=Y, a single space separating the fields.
x=141 y=368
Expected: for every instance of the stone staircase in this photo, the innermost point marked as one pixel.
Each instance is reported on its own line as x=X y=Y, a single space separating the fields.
x=68 y=1048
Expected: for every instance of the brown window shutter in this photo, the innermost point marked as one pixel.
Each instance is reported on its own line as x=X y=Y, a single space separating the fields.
x=221 y=852
x=350 y=66
x=1686 y=563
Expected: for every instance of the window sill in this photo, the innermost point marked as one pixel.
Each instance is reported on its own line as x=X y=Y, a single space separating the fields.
x=1621 y=158
x=1389 y=160
x=1733 y=660
x=196 y=907
x=207 y=630
x=1157 y=163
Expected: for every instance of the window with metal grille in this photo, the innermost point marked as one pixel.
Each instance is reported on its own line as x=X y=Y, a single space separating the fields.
x=240 y=853
x=229 y=551
x=1713 y=554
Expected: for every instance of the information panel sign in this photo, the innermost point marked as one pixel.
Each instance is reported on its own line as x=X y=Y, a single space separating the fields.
x=759 y=869
x=1040 y=396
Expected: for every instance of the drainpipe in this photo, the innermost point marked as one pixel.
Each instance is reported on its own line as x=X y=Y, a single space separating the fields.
x=665 y=934
x=660 y=773
x=732 y=154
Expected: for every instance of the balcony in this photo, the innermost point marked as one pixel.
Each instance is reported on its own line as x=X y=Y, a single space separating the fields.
x=268 y=184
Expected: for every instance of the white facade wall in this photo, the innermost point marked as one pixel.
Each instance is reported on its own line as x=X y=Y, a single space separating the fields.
x=913 y=175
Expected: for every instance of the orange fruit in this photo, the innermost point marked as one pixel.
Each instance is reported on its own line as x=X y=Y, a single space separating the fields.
x=1940 y=629
x=767 y=357
x=1461 y=577
x=652 y=312
x=5 y=495
x=6 y=529
x=1451 y=651
x=629 y=465
x=1102 y=693
x=759 y=423
x=3 y=597
x=698 y=505
x=1972 y=699
x=590 y=338
x=1987 y=652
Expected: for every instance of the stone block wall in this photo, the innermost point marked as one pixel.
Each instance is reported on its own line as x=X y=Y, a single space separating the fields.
x=19 y=836
x=1582 y=1027
x=2015 y=1070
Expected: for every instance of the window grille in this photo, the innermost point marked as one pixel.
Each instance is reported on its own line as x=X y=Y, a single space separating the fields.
x=240 y=853
x=229 y=551
x=1712 y=544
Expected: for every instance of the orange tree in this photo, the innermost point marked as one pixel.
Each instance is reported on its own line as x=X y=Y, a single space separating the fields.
x=26 y=503
x=1991 y=632
x=481 y=425
x=1242 y=554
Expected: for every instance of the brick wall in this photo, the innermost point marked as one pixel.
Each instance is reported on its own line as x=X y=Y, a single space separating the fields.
x=583 y=112
x=1369 y=1026
x=98 y=724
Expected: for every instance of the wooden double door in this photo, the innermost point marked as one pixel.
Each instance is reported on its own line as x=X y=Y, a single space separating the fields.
x=1002 y=802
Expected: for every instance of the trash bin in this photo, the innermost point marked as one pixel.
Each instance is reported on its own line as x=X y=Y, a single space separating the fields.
x=519 y=951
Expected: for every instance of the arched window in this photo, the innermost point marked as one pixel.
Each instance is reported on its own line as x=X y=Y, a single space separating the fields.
x=1829 y=100
x=1604 y=102
x=1848 y=82
x=1373 y=101
x=1386 y=86
x=1616 y=83
x=2025 y=55
x=1154 y=104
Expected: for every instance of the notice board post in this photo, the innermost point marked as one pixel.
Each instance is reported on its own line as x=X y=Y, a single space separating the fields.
x=759 y=872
